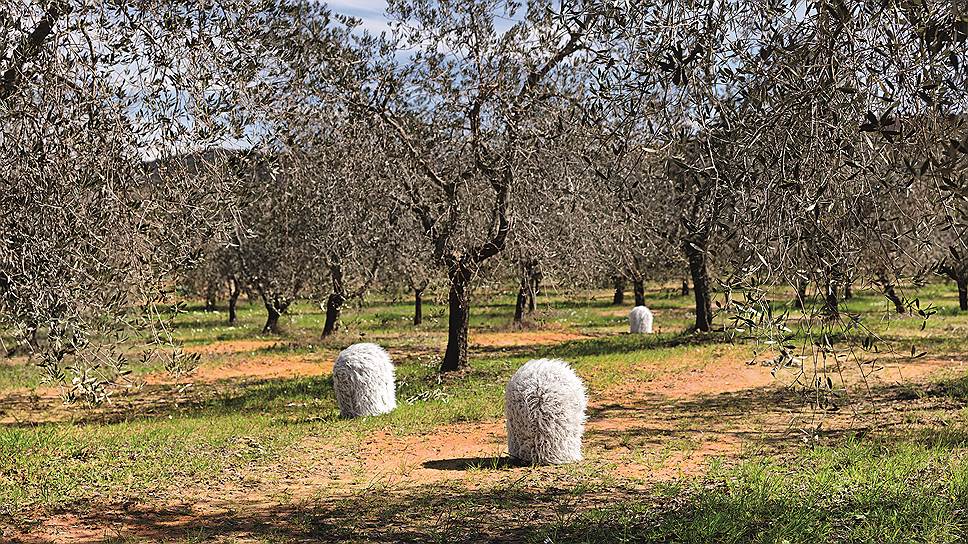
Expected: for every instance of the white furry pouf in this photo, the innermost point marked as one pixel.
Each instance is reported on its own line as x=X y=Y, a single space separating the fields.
x=545 y=408
x=640 y=320
x=363 y=381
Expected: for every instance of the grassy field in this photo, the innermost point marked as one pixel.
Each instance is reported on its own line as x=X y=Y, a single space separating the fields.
x=690 y=439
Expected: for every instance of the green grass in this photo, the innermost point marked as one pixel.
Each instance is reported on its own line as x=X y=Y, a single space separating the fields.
x=860 y=491
x=897 y=489
x=57 y=464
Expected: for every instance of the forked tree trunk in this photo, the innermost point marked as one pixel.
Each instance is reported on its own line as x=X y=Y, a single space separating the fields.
x=534 y=283
x=699 y=271
x=618 y=298
x=335 y=301
x=235 y=289
x=455 y=358
x=418 y=306
x=638 y=287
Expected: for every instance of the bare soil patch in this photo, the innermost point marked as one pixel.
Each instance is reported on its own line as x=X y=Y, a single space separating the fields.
x=224 y=347
x=255 y=367
x=664 y=428
x=523 y=338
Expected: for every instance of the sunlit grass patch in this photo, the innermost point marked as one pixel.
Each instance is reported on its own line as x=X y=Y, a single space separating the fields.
x=855 y=492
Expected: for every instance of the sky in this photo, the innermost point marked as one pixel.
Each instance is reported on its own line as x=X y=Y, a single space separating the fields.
x=371 y=12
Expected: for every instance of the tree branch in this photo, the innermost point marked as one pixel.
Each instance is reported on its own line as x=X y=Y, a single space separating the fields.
x=29 y=48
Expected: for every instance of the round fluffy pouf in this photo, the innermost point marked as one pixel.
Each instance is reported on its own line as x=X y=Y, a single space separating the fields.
x=545 y=408
x=363 y=381
x=640 y=320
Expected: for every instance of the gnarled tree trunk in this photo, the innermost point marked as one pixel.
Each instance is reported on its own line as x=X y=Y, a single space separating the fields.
x=534 y=283
x=519 y=305
x=274 y=310
x=959 y=273
x=699 y=271
x=455 y=357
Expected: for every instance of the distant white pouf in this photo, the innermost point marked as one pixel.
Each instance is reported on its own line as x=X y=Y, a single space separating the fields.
x=545 y=408
x=640 y=320
x=363 y=381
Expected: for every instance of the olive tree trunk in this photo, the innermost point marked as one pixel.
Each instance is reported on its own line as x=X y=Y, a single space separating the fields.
x=455 y=357
x=699 y=271
x=418 y=305
x=800 y=298
x=335 y=301
x=638 y=287
x=534 y=284
x=960 y=275
x=831 y=302
x=618 y=298
x=274 y=310
x=888 y=287
x=235 y=289
x=963 y=294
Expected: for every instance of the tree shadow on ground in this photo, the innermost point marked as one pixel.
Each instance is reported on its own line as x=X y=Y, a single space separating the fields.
x=164 y=400
x=474 y=463
x=559 y=510
x=421 y=514
x=778 y=419
x=626 y=343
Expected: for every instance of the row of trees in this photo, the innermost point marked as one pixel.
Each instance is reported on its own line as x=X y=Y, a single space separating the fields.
x=740 y=143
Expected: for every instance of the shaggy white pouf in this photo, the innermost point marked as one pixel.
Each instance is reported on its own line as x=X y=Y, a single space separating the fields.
x=640 y=320
x=545 y=408
x=363 y=381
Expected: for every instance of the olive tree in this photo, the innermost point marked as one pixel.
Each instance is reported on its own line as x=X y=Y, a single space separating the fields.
x=458 y=105
x=91 y=232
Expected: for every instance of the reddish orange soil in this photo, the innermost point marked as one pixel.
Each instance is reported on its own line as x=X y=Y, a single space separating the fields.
x=255 y=367
x=234 y=346
x=522 y=338
x=669 y=426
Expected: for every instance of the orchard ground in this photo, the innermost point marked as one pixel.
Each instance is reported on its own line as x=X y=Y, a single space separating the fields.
x=689 y=438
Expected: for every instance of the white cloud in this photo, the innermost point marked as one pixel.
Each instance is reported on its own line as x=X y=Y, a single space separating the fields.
x=371 y=12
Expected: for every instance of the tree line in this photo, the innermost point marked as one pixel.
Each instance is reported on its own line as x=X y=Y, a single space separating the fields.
x=280 y=149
